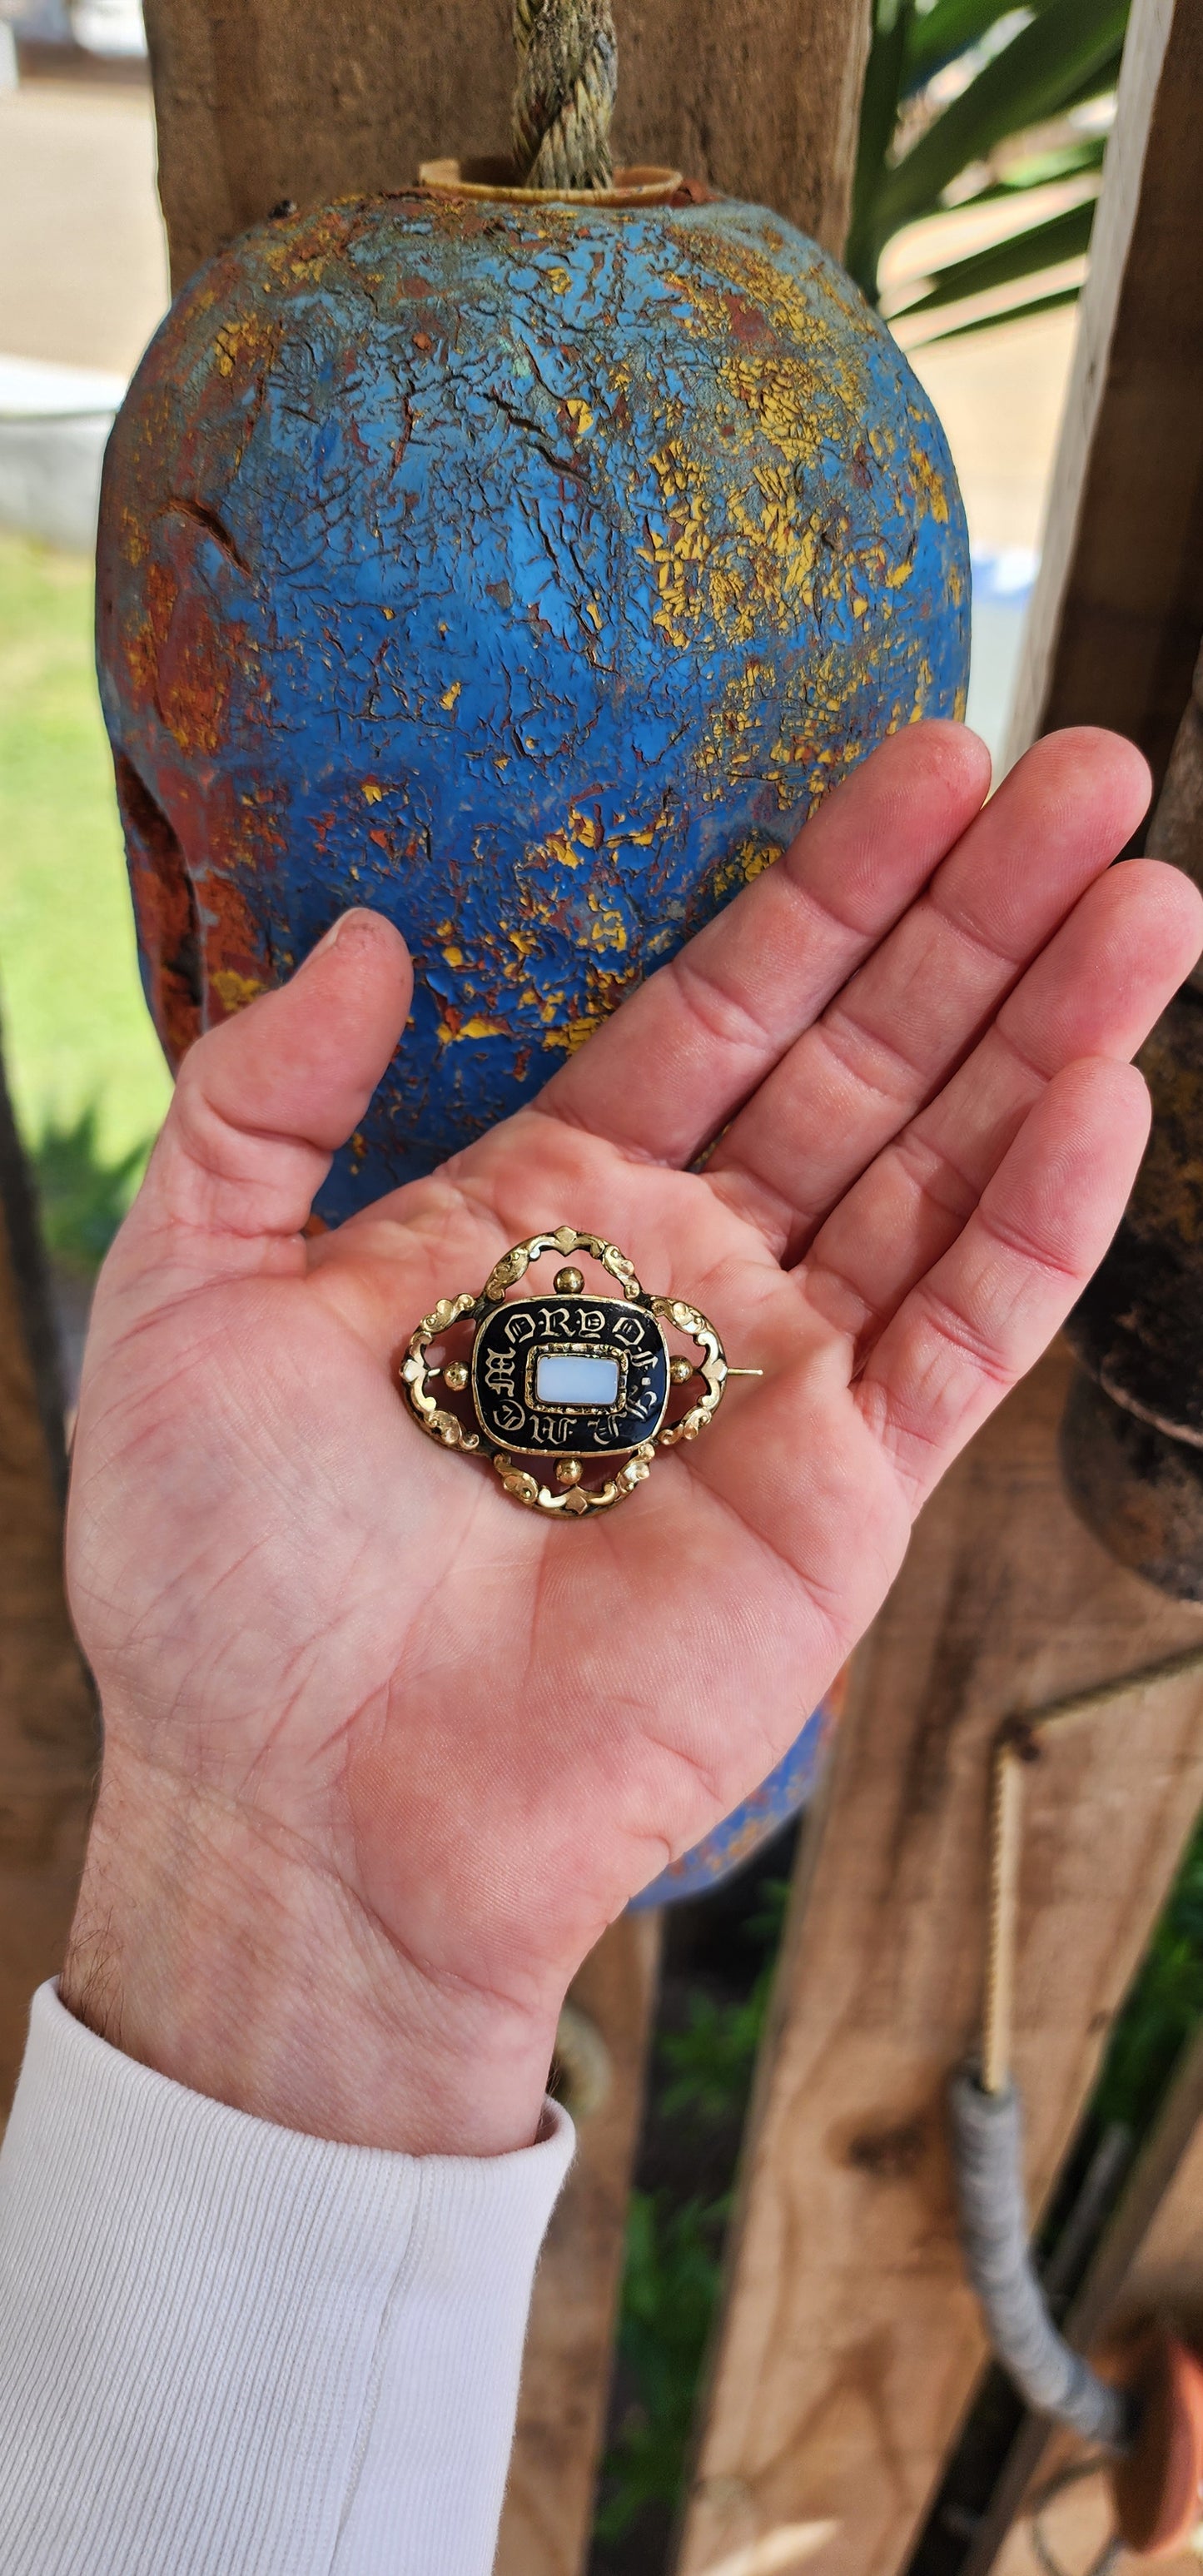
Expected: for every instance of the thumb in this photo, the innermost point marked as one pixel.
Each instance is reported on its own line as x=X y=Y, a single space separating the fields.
x=262 y=1102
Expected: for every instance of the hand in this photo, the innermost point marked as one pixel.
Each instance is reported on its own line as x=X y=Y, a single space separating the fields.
x=386 y=1752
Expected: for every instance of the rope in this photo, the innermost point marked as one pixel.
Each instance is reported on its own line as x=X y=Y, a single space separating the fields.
x=567 y=77
x=987 y=2142
x=1006 y=1847
x=986 y=2118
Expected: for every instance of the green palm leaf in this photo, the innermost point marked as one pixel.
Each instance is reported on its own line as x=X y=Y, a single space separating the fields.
x=950 y=29
x=1067 y=54
x=1022 y=254
x=1044 y=170
x=1048 y=67
x=993 y=321
x=878 y=118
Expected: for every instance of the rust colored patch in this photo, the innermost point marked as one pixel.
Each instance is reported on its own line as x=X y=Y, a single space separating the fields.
x=748 y=324
x=237 y=965
x=166 y=915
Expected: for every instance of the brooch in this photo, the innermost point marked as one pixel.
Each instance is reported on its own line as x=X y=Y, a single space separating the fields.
x=565 y=1383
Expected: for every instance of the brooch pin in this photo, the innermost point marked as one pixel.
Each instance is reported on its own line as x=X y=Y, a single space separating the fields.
x=565 y=1382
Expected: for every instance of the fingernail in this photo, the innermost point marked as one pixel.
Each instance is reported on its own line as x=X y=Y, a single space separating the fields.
x=328 y=939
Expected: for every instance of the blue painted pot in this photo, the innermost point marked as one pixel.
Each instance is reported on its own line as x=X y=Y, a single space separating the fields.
x=737 y=1840
x=526 y=571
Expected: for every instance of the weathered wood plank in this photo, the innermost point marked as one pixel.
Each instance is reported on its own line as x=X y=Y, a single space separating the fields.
x=850 y=2341
x=565 y=2382
x=258 y=100
x=47 y=1724
x=1118 y=608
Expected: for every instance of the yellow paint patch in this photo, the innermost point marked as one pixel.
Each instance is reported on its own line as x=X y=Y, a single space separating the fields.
x=582 y=418
x=609 y=929
x=572 y=1034
x=559 y=849
x=371 y=791
x=450 y=695
x=231 y=340
x=673 y=551
x=585 y=828
x=742 y=865
x=235 y=991
x=134 y=545
x=479 y=1026
x=930 y=483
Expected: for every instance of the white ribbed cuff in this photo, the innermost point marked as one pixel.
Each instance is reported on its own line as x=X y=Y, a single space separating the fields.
x=230 y=2350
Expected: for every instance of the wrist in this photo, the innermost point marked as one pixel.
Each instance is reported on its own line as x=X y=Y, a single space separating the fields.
x=209 y=1947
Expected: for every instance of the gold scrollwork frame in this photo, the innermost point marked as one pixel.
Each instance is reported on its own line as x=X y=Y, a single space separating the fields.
x=712 y=1369
x=442 y=1426
x=566 y=1239
x=576 y=1500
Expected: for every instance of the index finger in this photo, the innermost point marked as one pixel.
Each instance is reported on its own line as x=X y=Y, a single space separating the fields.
x=661 y=1077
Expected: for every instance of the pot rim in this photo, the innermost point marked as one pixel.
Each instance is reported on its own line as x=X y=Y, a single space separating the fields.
x=645 y=184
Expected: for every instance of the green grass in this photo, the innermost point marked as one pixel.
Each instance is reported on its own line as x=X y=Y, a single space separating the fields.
x=89 y=1085
x=1164 y=2007
x=672 y=2272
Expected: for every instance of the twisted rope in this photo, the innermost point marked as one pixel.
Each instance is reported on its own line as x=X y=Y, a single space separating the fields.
x=567 y=77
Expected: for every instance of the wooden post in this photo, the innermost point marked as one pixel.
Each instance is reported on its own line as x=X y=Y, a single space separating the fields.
x=1118 y=607
x=850 y=2342
x=312 y=99
x=549 y=2500
x=47 y=1720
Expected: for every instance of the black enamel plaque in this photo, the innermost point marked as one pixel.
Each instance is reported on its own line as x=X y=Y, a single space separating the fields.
x=522 y=1363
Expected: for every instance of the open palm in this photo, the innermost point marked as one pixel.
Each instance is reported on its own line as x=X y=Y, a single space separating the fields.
x=455 y=1737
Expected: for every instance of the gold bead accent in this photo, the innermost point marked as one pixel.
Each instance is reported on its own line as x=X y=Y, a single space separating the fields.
x=455 y=1376
x=568 y=1471
x=680 y=1370
x=569 y=1283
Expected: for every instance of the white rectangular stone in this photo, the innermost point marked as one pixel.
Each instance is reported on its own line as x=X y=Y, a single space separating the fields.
x=576 y=1378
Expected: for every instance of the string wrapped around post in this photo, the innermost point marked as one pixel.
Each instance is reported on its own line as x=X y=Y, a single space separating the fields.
x=987 y=2116
x=564 y=102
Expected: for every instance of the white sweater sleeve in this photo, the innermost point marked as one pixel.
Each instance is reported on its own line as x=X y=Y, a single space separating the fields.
x=230 y=2350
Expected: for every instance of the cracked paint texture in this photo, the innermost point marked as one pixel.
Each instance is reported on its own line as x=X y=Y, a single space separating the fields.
x=525 y=572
